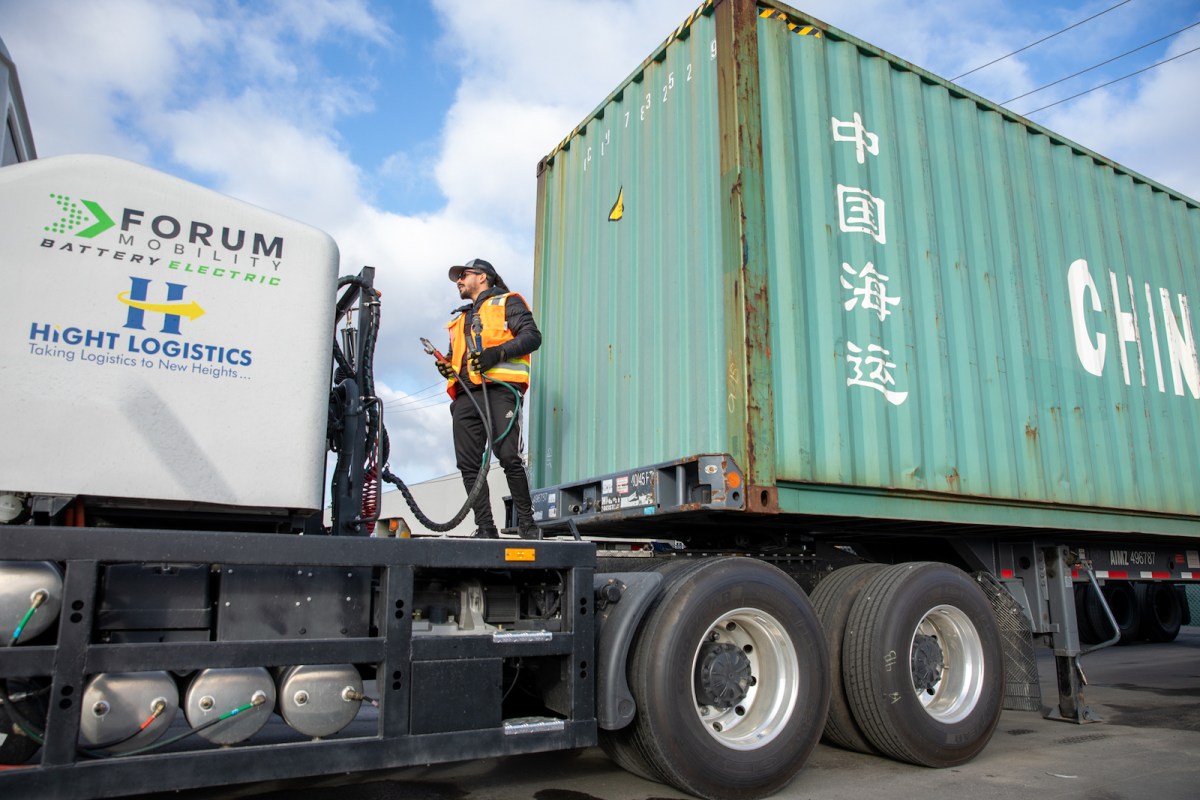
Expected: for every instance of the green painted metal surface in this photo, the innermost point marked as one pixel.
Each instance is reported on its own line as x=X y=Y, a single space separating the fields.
x=631 y=306
x=958 y=315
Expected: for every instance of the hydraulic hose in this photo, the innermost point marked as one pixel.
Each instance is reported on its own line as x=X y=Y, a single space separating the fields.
x=476 y=488
x=17 y=718
x=481 y=478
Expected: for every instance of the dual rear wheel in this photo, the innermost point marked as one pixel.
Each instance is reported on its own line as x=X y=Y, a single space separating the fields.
x=733 y=677
x=917 y=659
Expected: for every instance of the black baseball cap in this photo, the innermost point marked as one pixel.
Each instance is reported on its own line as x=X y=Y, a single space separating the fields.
x=477 y=264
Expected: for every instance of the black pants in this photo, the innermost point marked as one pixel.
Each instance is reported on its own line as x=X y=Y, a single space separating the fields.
x=470 y=439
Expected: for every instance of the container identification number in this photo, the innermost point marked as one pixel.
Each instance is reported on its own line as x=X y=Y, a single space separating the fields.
x=1131 y=558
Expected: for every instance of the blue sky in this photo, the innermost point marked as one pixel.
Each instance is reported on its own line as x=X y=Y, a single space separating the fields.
x=410 y=130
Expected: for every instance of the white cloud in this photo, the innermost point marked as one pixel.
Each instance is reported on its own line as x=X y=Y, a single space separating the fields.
x=1143 y=123
x=491 y=147
x=88 y=69
x=251 y=152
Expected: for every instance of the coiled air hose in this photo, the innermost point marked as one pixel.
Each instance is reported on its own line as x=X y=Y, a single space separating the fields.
x=481 y=478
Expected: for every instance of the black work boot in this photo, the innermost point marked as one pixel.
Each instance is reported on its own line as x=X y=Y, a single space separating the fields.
x=486 y=532
x=529 y=530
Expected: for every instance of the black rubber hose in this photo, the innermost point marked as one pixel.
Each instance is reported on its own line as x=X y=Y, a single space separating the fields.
x=476 y=488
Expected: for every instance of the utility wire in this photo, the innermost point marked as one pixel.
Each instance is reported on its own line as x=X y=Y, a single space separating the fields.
x=437 y=401
x=1039 y=41
x=1110 y=83
x=414 y=397
x=1101 y=64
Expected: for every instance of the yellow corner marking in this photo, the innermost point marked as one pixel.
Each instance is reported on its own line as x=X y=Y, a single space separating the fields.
x=618 y=209
x=796 y=28
x=520 y=554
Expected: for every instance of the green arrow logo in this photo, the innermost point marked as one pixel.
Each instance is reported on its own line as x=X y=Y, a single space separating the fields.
x=74 y=216
x=103 y=220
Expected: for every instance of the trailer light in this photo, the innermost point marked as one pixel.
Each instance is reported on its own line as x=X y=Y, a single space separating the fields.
x=520 y=554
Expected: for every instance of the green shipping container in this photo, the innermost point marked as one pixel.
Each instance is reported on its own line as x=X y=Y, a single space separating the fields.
x=882 y=295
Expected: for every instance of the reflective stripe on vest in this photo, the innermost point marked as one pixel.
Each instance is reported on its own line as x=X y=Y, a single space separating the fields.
x=495 y=332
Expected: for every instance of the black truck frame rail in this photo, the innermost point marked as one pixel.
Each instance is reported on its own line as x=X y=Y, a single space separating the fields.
x=409 y=669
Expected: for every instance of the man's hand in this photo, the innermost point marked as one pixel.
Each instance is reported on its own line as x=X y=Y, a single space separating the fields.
x=446 y=370
x=486 y=359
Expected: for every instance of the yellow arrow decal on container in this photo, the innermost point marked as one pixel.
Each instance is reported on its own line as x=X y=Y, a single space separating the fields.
x=618 y=209
x=190 y=310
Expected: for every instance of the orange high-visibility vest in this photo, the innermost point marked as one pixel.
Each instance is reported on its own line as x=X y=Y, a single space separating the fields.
x=495 y=332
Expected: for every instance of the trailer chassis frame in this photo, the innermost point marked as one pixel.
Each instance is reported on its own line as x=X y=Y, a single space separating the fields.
x=394 y=651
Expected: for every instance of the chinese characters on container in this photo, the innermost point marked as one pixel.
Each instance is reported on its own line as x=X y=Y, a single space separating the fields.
x=860 y=212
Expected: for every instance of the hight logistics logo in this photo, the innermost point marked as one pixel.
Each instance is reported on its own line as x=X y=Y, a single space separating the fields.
x=173 y=310
x=223 y=252
x=131 y=347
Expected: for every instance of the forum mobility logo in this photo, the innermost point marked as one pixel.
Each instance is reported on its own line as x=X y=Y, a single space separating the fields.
x=221 y=252
x=74 y=217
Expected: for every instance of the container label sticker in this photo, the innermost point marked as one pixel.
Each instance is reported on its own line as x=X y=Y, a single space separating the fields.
x=633 y=490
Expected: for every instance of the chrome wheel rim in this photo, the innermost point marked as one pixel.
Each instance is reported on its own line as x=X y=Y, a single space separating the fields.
x=946 y=663
x=770 y=699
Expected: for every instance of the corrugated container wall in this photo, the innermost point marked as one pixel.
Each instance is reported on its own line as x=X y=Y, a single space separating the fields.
x=882 y=295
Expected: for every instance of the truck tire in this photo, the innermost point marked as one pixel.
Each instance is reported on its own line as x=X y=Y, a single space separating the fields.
x=1122 y=601
x=1094 y=618
x=1083 y=622
x=923 y=664
x=621 y=745
x=729 y=673
x=1159 y=610
x=832 y=600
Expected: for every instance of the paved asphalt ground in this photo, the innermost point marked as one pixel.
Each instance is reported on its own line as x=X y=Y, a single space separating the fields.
x=1148 y=746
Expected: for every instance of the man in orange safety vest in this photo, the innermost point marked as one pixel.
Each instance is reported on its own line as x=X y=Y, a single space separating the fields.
x=491 y=338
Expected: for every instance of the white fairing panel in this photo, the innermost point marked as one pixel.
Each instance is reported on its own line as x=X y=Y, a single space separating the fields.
x=159 y=340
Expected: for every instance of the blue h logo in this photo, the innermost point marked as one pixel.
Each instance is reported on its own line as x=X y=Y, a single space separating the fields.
x=136 y=300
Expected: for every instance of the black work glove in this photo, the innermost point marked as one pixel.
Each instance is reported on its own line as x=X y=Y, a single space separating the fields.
x=446 y=370
x=486 y=358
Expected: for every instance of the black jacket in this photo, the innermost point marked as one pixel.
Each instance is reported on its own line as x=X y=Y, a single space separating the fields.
x=526 y=336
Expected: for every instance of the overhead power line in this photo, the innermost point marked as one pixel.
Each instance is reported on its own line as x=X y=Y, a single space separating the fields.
x=415 y=396
x=1039 y=41
x=1110 y=83
x=437 y=401
x=1101 y=64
